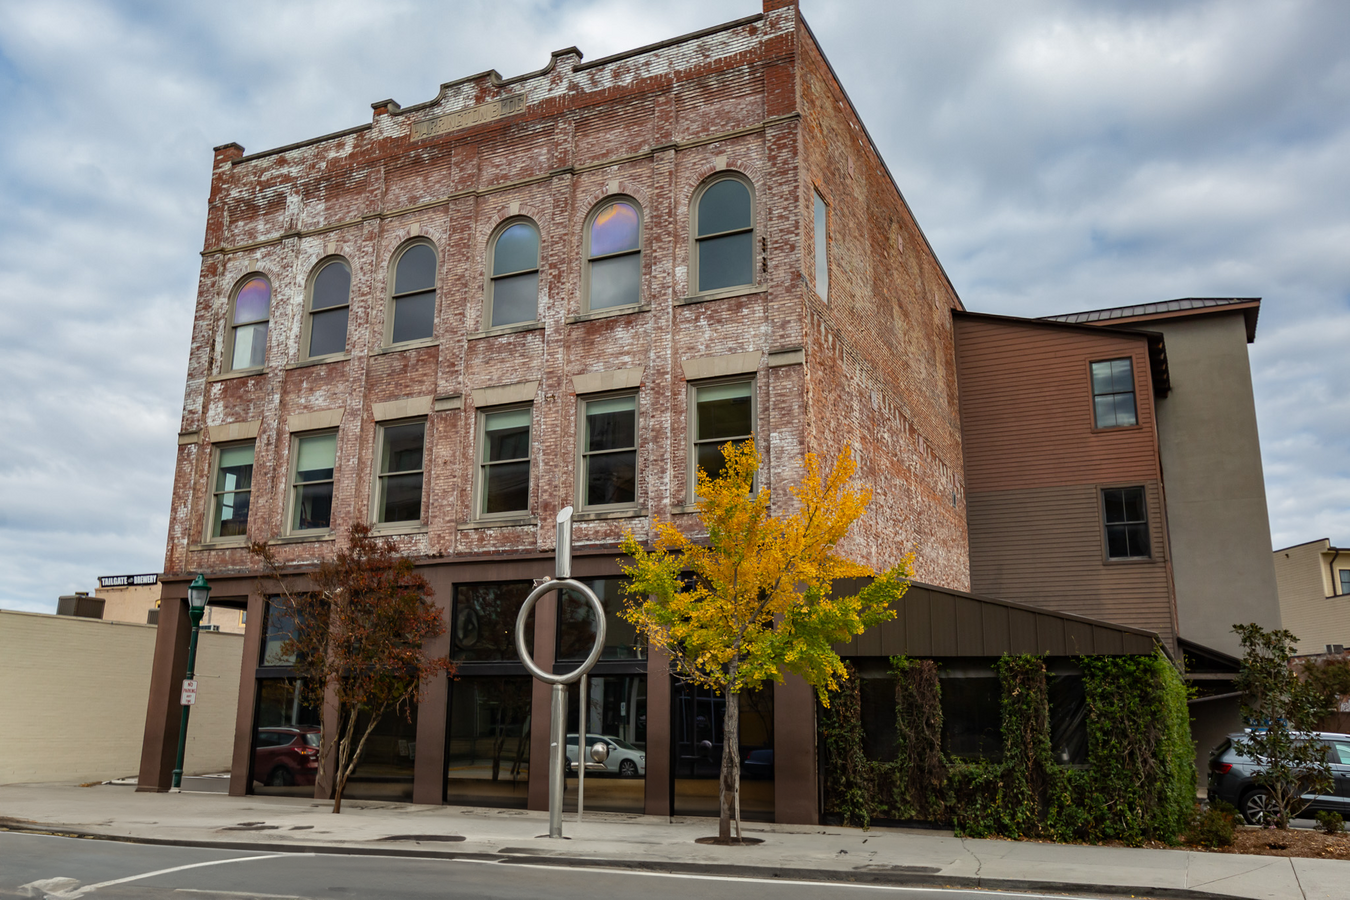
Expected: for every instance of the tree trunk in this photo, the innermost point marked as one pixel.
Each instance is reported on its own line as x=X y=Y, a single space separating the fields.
x=728 y=789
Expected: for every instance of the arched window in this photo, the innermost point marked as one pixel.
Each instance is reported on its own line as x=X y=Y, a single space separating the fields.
x=724 y=235
x=613 y=256
x=329 y=298
x=249 y=312
x=513 y=286
x=413 y=306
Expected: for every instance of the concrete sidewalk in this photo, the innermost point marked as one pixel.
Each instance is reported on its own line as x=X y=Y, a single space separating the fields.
x=885 y=856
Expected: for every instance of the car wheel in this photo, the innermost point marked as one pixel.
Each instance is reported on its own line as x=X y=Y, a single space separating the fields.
x=627 y=769
x=280 y=777
x=1259 y=808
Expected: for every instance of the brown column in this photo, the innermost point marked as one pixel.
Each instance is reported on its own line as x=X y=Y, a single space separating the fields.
x=794 y=753
x=658 y=735
x=159 y=748
x=325 y=783
x=429 y=764
x=545 y=645
x=248 y=696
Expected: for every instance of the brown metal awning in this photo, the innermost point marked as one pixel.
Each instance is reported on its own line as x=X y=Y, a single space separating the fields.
x=935 y=621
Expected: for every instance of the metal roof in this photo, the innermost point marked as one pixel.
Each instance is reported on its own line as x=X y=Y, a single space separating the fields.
x=1166 y=309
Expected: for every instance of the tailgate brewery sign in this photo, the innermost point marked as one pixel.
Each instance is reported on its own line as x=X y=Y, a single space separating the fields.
x=474 y=115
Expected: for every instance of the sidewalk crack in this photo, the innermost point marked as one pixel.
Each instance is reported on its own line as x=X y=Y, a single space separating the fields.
x=1298 y=881
x=979 y=863
x=1236 y=874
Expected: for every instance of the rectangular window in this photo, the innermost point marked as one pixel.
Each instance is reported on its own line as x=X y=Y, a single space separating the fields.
x=1126 y=515
x=609 y=452
x=1113 y=394
x=822 y=249
x=315 y=457
x=399 y=489
x=504 y=470
x=484 y=624
x=231 y=491
x=576 y=623
x=278 y=628
x=1345 y=582
x=722 y=414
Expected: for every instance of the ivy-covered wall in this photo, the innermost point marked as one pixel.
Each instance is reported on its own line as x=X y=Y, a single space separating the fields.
x=1138 y=784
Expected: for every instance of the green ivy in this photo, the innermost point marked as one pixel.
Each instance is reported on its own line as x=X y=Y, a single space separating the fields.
x=1139 y=783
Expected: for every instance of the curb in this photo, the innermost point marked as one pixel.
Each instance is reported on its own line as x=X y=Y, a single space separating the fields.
x=907 y=876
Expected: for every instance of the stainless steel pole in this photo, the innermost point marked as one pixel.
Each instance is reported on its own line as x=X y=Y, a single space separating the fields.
x=556 y=757
x=582 y=747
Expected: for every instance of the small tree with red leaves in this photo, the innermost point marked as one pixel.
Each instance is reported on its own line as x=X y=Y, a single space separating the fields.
x=358 y=636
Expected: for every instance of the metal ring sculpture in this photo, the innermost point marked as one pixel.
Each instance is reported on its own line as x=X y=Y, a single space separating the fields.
x=559 y=584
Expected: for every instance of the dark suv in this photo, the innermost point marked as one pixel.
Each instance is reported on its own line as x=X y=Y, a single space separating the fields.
x=1231 y=779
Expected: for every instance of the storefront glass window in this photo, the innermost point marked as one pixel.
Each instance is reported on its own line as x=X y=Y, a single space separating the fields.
x=286 y=732
x=488 y=754
x=485 y=621
x=698 y=752
x=616 y=714
x=385 y=771
x=576 y=623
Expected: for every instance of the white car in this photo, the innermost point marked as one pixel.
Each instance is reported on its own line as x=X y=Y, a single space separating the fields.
x=624 y=759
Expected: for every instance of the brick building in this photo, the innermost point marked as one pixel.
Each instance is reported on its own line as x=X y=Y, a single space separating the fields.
x=570 y=287
x=562 y=288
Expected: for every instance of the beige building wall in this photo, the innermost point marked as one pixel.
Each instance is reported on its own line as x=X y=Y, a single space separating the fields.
x=1308 y=605
x=74 y=698
x=1217 y=519
x=134 y=603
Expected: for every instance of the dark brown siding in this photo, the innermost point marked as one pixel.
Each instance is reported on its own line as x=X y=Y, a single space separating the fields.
x=1035 y=467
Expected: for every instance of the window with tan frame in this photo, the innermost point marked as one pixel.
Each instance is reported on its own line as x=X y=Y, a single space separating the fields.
x=513 y=275
x=411 y=313
x=231 y=492
x=246 y=336
x=607 y=469
x=613 y=248
x=399 y=477
x=503 y=482
x=313 y=463
x=328 y=300
x=723 y=234
x=720 y=413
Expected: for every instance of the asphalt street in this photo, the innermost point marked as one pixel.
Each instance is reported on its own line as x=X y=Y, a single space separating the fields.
x=68 y=868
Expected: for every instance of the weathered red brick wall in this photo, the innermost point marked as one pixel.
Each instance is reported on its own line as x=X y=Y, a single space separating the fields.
x=879 y=349
x=652 y=126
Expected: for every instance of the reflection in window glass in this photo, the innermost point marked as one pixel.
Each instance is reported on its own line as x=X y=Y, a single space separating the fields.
x=697 y=764
x=484 y=626
x=614 y=259
x=1113 y=394
x=385 y=771
x=515 y=276
x=328 y=307
x=400 y=487
x=616 y=714
x=277 y=630
x=576 y=623
x=822 y=241
x=972 y=715
x=233 y=488
x=609 y=452
x=488 y=753
x=505 y=478
x=1068 y=718
x=725 y=236
x=286 y=740
x=249 y=321
x=880 y=732
x=414 y=295
x=312 y=486
x=722 y=415
x=1126 y=523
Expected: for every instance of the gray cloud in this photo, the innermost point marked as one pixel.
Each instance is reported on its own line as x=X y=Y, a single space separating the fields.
x=1059 y=155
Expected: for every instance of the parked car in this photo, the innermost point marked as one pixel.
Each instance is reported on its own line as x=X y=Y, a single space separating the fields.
x=624 y=759
x=1232 y=779
x=286 y=755
x=758 y=764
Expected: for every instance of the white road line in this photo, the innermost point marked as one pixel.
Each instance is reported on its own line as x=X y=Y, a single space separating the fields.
x=253 y=894
x=90 y=888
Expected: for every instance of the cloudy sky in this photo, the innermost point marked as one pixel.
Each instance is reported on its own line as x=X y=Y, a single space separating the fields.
x=1060 y=156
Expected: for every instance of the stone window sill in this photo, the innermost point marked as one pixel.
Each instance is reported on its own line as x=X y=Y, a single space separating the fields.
x=408 y=345
x=218 y=545
x=608 y=313
x=304 y=538
x=319 y=361
x=398 y=528
x=725 y=294
x=506 y=329
x=238 y=373
x=595 y=515
x=498 y=523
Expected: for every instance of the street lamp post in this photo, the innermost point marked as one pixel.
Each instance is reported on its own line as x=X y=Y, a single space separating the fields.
x=198 y=592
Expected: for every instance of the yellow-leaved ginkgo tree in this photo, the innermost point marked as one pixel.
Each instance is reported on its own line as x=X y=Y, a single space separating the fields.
x=754 y=600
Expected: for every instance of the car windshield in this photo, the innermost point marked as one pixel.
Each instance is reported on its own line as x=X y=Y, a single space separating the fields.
x=312 y=738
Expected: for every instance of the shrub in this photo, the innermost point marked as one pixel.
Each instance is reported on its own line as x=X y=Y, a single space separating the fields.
x=1330 y=822
x=1212 y=827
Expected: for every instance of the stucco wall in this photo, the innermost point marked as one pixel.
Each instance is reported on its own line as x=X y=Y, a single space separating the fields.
x=1216 y=496
x=73 y=703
